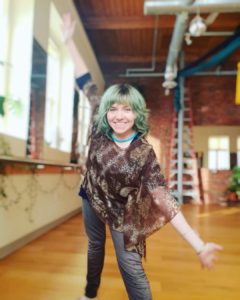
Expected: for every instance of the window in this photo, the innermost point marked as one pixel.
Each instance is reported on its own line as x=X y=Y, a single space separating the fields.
x=52 y=135
x=238 y=151
x=3 y=59
x=60 y=90
x=218 y=153
x=15 y=68
x=84 y=122
x=3 y=48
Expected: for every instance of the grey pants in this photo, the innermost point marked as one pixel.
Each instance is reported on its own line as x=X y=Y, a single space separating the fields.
x=130 y=263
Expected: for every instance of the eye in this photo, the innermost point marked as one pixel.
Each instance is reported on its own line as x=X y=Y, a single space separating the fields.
x=112 y=108
x=127 y=108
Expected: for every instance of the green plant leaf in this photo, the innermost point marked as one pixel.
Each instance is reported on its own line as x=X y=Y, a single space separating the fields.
x=2 y=100
x=15 y=105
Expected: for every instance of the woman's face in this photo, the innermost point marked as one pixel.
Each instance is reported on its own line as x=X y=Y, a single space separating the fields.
x=121 y=118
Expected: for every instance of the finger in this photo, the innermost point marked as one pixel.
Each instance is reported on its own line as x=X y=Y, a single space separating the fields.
x=218 y=247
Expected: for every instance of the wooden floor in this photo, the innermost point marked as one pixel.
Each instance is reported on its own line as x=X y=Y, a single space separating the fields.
x=53 y=267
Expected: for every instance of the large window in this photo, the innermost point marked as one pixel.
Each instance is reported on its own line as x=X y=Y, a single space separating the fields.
x=60 y=90
x=16 y=28
x=84 y=122
x=238 y=151
x=52 y=133
x=3 y=48
x=218 y=153
x=3 y=61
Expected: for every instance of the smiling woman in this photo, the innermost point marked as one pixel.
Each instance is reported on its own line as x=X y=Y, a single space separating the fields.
x=123 y=186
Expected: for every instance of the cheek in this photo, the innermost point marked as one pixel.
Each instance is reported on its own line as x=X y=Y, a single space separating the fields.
x=108 y=116
x=133 y=117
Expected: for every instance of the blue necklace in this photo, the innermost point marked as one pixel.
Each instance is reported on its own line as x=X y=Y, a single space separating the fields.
x=130 y=138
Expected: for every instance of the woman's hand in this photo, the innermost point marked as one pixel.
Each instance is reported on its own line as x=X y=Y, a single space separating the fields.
x=207 y=255
x=67 y=27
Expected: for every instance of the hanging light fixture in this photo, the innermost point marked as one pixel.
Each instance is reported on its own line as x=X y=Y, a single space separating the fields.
x=197 y=26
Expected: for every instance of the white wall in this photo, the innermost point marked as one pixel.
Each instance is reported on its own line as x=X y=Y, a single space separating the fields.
x=201 y=135
x=34 y=208
x=33 y=203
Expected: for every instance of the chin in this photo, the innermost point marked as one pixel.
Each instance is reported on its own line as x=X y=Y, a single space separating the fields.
x=120 y=131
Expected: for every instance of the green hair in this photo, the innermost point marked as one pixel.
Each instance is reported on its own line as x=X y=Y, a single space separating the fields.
x=122 y=94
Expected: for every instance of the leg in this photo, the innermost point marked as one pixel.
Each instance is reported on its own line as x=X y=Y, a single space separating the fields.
x=96 y=233
x=130 y=265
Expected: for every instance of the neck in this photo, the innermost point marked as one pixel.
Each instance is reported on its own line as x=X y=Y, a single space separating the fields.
x=123 y=140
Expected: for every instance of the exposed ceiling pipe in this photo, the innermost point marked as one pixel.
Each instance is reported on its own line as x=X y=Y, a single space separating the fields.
x=211 y=18
x=159 y=74
x=164 y=7
x=183 y=8
x=175 y=47
x=154 y=50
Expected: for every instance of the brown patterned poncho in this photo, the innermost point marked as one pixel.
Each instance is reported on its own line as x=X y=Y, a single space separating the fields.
x=126 y=188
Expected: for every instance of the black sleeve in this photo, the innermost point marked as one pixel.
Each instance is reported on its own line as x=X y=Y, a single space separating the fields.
x=82 y=80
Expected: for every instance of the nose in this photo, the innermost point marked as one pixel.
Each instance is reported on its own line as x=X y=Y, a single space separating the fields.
x=119 y=114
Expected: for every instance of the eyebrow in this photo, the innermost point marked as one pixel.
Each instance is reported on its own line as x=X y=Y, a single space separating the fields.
x=124 y=105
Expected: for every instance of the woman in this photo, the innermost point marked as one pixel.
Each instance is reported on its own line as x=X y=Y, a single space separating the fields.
x=123 y=185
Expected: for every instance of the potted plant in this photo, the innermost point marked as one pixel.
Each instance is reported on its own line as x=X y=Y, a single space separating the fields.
x=233 y=191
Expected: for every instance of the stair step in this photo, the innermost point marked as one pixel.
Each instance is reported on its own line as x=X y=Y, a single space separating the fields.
x=185 y=171
x=184 y=119
x=189 y=182
x=190 y=193
x=188 y=160
x=185 y=160
x=172 y=183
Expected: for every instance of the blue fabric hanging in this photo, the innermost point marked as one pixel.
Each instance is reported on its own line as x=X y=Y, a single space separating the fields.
x=213 y=57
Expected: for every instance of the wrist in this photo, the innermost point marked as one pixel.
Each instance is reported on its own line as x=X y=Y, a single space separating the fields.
x=195 y=241
x=67 y=40
x=200 y=248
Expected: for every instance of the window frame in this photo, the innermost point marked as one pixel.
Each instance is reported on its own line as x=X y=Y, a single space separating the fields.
x=219 y=153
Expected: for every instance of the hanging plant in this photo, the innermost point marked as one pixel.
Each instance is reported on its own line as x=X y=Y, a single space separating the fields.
x=2 y=100
x=8 y=104
x=15 y=106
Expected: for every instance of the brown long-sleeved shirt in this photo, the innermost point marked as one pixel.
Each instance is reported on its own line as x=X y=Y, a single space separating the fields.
x=125 y=187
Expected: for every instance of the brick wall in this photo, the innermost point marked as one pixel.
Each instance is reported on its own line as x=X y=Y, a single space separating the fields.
x=213 y=100
x=215 y=185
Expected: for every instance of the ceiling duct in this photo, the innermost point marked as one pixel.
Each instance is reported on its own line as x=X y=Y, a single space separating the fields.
x=183 y=8
x=175 y=46
x=165 y=7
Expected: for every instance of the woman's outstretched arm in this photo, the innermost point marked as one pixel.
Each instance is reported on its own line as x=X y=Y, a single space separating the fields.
x=68 y=28
x=82 y=74
x=205 y=251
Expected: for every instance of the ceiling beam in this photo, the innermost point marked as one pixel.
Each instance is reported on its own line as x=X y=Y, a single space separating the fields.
x=128 y=59
x=165 y=22
x=117 y=23
x=121 y=59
